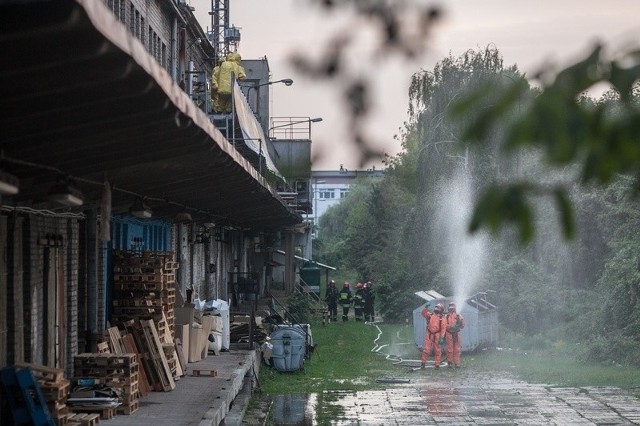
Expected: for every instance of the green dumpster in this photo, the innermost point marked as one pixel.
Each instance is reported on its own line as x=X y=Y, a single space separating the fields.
x=310 y=274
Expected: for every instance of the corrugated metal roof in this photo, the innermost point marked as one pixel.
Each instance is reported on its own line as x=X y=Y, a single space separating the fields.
x=80 y=94
x=304 y=259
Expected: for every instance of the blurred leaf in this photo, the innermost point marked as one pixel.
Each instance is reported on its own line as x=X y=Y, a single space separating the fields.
x=623 y=79
x=498 y=206
x=579 y=77
x=566 y=213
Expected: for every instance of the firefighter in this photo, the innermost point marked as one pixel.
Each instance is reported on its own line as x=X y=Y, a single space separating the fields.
x=346 y=298
x=358 y=302
x=454 y=322
x=434 y=334
x=230 y=68
x=215 y=75
x=332 y=301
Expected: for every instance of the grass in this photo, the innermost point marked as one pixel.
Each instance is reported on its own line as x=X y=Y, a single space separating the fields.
x=554 y=369
x=344 y=361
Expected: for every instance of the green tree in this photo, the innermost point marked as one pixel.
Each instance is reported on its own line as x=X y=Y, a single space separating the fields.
x=598 y=138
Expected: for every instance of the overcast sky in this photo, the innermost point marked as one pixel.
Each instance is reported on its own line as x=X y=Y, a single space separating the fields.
x=528 y=33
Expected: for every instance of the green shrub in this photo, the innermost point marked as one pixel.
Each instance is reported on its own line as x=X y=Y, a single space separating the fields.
x=299 y=307
x=612 y=350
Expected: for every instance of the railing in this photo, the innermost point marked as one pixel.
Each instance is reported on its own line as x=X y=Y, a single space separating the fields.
x=290 y=127
x=293 y=322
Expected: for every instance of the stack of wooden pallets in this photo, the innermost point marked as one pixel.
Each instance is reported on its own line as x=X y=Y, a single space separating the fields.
x=144 y=287
x=118 y=372
x=55 y=389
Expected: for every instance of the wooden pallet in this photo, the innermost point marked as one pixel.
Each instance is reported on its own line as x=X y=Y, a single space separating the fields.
x=54 y=391
x=143 y=382
x=41 y=372
x=156 y=354
x=104 y=413
x=128 y=409
x=105 y=359
x=113 y=337
x=199 y=372
x=83 y=419
x=103 y=348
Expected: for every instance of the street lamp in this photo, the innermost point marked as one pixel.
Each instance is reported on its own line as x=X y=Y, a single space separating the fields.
x=292 y=130
x=286 y=81
x=262 y=115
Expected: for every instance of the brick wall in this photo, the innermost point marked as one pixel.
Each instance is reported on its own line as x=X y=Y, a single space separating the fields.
x=40 y=248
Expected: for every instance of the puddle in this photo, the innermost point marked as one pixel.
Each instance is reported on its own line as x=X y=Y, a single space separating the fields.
x=433 y=400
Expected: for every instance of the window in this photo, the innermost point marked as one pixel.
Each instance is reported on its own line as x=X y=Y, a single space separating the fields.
x=142 y=30
x=136 y=31
x=343 y=192
x=132 y=22
x=327 y=194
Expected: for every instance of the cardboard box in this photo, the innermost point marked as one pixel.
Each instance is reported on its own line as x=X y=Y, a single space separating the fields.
x=218 y=324
x=182 y=331
x=184 y=315
x=207 y=324
x=195 y=343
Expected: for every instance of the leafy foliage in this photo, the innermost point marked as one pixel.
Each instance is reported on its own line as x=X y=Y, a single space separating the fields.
x=544 y=167
x=568 y=129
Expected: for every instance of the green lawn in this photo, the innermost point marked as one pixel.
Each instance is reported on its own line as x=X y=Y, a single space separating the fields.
x=344 y=360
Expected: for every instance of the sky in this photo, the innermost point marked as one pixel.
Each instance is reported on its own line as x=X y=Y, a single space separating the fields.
x=529 y=33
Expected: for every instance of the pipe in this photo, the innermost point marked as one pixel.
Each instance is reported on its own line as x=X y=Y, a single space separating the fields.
x=92 y=279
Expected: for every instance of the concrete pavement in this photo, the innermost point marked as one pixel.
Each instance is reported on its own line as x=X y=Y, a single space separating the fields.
x=202 y=401
x=469 y=399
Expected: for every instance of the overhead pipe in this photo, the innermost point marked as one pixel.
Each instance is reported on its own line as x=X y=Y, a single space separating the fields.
x=92 y=279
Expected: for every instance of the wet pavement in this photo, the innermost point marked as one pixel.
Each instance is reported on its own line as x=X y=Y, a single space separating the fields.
x=444 y=399
x=204 y=400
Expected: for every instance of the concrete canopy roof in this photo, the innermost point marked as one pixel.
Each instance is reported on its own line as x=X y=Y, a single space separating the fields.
x=80 y=96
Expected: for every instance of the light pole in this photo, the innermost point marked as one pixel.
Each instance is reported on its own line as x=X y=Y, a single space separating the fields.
x=293 y=130
x=262 y=116
x=316 y=195
x=285 y=81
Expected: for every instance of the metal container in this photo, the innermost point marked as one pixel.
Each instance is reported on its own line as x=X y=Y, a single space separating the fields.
x=480 y=319
x=289 y=348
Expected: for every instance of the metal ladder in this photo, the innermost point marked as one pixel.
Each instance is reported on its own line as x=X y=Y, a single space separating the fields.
x=23 y=398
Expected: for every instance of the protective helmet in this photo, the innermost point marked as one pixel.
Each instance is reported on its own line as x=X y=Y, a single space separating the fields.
x=332 y=282
x=440 y=307
x=359 y=285
x=452 y=306
x=346 y=284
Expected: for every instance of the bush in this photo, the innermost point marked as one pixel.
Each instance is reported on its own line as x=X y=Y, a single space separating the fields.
x=612 y=350
x=299 y=307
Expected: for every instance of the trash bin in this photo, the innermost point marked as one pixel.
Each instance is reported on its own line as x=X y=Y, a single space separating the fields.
x=289 y=346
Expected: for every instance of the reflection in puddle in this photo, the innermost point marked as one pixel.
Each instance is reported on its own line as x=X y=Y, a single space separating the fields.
x=460 y=401
x=294 y=409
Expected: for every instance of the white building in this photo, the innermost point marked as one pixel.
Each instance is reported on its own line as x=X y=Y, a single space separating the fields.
x=331 y=186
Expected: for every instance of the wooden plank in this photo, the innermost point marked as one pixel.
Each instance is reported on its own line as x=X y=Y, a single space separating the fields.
x=113 y=338
x=135 y=328
x=199 y=372
x=103 y=348
x=84 y=419
x=168 y=339
x=42 y=372
x=180 y=352
x=143 y=382
x=157 y=355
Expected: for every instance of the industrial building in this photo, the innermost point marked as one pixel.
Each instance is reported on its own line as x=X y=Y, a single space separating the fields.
x=110 y=144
